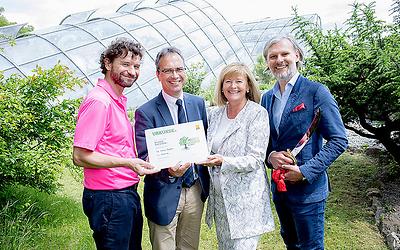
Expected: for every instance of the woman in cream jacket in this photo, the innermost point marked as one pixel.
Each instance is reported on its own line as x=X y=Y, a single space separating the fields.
x=238 y=135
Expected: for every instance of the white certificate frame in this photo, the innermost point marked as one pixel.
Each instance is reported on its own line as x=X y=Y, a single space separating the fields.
x=176 y=144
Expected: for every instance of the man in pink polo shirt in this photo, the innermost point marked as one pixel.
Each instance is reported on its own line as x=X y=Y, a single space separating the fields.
x=104 y=145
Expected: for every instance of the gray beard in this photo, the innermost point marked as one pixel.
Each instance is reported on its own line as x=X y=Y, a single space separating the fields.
x=286 y=76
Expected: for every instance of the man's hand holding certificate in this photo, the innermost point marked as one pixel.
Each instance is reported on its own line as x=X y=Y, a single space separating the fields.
x=181 y=143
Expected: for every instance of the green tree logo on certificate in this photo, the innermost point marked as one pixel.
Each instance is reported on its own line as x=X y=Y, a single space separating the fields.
x=184 y=141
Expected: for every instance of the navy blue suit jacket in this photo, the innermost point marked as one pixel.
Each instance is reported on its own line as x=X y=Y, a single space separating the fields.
x=160 y=196
x=315 y=157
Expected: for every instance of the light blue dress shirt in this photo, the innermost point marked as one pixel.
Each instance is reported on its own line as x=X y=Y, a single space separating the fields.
x=281 y=100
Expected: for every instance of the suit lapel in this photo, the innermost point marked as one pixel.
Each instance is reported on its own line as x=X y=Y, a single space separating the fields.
x=269 y=104
x=190 y=110
x=294 y=96
x=215 y=120
x=164 y=111
x=237 y=123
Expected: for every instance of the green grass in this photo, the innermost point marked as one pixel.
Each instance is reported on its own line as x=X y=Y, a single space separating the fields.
x=34 y=220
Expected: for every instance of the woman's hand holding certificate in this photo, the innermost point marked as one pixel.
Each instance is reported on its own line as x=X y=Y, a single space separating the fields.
x=212 y=161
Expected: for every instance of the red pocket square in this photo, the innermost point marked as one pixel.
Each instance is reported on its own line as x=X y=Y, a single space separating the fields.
x=299 y=107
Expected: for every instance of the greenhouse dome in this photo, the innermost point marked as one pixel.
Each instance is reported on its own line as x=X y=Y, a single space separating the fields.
x=194 y=26
x=255 y=34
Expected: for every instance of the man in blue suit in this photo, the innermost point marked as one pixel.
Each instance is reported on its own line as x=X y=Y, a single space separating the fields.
x=173 y=198
x=291 y=105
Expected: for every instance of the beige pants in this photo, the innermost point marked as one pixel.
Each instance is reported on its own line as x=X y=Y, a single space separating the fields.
x=184 y=230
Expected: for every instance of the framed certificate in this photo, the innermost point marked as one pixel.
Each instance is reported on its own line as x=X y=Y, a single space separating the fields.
x=180 y=143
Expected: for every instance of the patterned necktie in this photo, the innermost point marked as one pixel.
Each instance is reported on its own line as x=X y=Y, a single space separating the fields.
x=181 y=112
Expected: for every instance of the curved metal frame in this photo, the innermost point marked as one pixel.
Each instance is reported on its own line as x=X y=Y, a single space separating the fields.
x=183 y=8
x=200 y=28
x=245 y=48
x=70 y=15
x=65 y=54
x=12 y=63
x=141 y=90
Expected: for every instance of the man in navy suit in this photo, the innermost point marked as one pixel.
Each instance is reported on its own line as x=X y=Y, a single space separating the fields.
x=173 y=198
x=291 y=105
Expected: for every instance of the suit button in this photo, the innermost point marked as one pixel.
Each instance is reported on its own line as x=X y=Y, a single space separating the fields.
x=178 y=187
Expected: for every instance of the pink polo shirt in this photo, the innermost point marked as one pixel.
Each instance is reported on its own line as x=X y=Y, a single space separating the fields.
x=103 y=126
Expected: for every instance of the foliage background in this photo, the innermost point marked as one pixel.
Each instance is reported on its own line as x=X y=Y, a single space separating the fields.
x=36 y=127
x=360 y=65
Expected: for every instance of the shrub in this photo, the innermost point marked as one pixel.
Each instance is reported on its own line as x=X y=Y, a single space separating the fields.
x=36 y=127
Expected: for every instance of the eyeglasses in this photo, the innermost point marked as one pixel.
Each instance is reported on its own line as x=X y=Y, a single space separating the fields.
x=170 y=71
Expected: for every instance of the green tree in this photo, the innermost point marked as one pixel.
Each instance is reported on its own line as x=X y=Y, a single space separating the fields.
x=263 y=75
x=195 y=76
x=208 y=93
x=360 y=65
x=36 y=127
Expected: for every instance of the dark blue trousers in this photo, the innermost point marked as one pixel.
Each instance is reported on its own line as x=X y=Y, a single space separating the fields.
x=115 y=216
x=302 y=225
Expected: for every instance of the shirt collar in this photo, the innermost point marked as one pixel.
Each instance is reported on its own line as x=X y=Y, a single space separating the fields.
x=290 y=84
x=170 y=99
x=107 y=87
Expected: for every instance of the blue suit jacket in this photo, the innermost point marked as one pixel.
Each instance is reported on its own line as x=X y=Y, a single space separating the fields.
x=315 y=157
x=161 y=197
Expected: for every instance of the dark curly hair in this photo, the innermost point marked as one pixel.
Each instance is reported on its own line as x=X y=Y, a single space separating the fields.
x=120 y=47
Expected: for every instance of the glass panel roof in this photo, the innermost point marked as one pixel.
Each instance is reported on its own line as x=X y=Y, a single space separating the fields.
x=77 y=17
x=213 y=33
x=147 y=70
x=153 y=52
x=70 y=38
x=135 y=98
x=9 y=72
x=23 y=52
x=196 y=59
x=198 y=30
x=170 y=11
x=200 y=40
x=199 y=3
x=224 y=49
x=130 y=21
x=200 y=18
x=212 y=57
x=187 y=48
x=225 y=28
x=151 y=88
x=11 y=30
x=169 y=29
x=186 y=23
x=212 y=13
x=186 y=6
x=87 y=58
x=131 y=6
x=148 y=36
x=151 y=15
x=102 y=28
x=93 y=78
x=49 y=62
x=4 y=63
